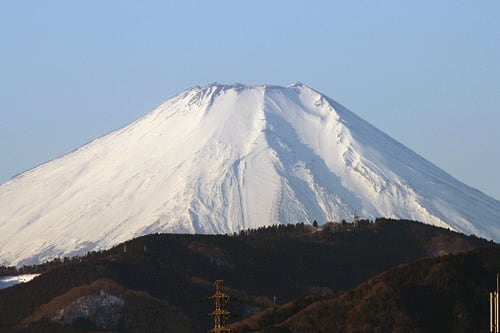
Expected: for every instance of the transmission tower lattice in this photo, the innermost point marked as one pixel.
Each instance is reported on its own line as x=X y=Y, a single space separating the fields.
x=220 y=314
x=494 y=310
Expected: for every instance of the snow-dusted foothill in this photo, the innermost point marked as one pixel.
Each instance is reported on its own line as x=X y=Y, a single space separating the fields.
x=222 y=158
x=9 y=281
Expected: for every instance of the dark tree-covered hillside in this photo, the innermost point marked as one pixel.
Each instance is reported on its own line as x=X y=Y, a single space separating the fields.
x=165 y=280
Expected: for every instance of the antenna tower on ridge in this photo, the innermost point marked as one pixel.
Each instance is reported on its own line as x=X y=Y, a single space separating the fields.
x=355 y=218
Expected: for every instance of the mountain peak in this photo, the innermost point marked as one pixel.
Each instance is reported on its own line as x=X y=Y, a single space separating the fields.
x=296 y=84
x=241 y=86
x=222 y=158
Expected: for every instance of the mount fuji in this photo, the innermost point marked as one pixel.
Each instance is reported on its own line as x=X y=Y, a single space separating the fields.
x=222 y=158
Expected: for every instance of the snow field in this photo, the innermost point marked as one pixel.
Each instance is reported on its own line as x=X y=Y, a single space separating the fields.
x=223 y=158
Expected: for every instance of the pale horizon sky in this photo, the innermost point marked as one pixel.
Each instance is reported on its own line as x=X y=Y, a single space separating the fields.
x=426 y=73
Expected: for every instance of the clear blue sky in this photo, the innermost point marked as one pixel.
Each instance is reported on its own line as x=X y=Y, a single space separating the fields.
x=425 y=72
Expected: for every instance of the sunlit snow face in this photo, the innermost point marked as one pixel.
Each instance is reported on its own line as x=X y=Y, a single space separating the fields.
x=9 y=281
x=223 y=158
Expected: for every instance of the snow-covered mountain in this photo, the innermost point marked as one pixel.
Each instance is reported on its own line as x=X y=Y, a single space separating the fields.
x=223 y=158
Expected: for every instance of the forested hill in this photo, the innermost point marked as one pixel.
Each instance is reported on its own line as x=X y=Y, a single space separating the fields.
x=434 y=295
x=162 y=282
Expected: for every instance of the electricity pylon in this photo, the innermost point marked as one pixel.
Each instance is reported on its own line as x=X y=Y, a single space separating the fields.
x=494 y=311
x=220 y=314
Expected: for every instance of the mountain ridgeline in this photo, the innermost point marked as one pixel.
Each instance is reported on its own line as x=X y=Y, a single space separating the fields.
x=294 y=278
x=224 y=158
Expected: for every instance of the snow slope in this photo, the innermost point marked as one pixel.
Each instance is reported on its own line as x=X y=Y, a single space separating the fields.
x=9 y=281
x=222 y=158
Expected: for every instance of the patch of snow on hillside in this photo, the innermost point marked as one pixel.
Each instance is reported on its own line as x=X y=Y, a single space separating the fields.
x=9 y=281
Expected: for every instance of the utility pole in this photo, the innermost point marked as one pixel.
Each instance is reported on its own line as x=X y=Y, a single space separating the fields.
x=220 y=314
x=494 y=311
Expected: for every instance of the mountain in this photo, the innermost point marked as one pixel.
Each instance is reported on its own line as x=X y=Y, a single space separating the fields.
x=162 y=282
x=222 y=158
